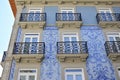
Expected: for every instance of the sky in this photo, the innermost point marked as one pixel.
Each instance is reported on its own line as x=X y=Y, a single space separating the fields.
x=6 y=23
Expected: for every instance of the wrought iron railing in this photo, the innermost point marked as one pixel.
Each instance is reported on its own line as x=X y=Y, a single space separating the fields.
x=68 y=17
x=74 y=47
x=112 y=47
x=4 y=56
x=108 y=17
x=29 y=48
x=33 y=17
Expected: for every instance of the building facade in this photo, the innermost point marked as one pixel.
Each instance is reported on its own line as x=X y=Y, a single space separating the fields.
x=64 y=40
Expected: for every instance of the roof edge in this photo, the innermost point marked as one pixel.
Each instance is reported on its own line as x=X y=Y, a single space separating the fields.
x=13 y=7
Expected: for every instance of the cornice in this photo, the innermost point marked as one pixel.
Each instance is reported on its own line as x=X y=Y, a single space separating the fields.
x=15 y=3
x=93 y=2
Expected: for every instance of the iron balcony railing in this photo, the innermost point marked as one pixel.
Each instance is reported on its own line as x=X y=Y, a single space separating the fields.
x=33 y=17
x=108 y=17
x=4 y=56
x=74 y=47
x=29 y=48
x=112 y=47
x=68 y=17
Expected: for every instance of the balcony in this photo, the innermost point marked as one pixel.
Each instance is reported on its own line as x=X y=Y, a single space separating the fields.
x=32 y=20
x=106 y=20
x=72 y=51
x=113 y=49
x=68 y=20
x=26 y=51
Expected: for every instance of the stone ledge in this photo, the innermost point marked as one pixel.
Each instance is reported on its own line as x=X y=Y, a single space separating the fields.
x=72 y=57
x=28 y=58
x=109 y=24
x=114 y=56
x=35 y=25
x=75 y=24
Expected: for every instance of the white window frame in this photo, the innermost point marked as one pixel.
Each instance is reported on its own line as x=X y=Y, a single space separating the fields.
x=27 y=74
x=28 y=35
x=74 y=73
x=70 y=34
x=67 y=9
x=35 y=9
x=105 y=10
x=113 y=34
x=118 y=71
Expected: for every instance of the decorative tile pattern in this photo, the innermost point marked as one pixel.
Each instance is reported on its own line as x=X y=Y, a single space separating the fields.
x=50 y=67
x=98 y=65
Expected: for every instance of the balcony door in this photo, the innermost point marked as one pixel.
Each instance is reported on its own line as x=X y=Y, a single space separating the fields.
x=67 y=14
x=31 y=43
x=71 y=44
x=34 y=15
x=70 y=37
x=31 y=37
x=114 y=41
x=106 y=14
x=27 y=74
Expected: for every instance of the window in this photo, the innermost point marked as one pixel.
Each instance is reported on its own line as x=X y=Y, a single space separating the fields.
x=74 y=74
x=119 y=72
x=113 y=36
x=31 y=38
x=34 y=15
x=27 y=74
x=70 y=37
x=31 y=43
x=67 y=14
x=71 y=44
x=106 y=14
x=67 y=10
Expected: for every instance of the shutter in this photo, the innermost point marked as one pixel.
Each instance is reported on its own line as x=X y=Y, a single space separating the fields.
x=19 y=35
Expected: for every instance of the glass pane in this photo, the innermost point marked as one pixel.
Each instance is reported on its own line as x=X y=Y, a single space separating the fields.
x=32 y=77
x=64 y=11
x=66 y=39
x=102 y=12
x=70 y=11
x=69 y=77
x=27 y=39
x=74 y=39
x=73 y=70
x=107 y=11
x=109 y=16
x=34 y=39
x=78 y=77
x=37 y=11
x=27 y=71
x=31 y=12
x=37 y=16
x=31 y=16
x=22 y=77
x=111 y=38
x=117 y=38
